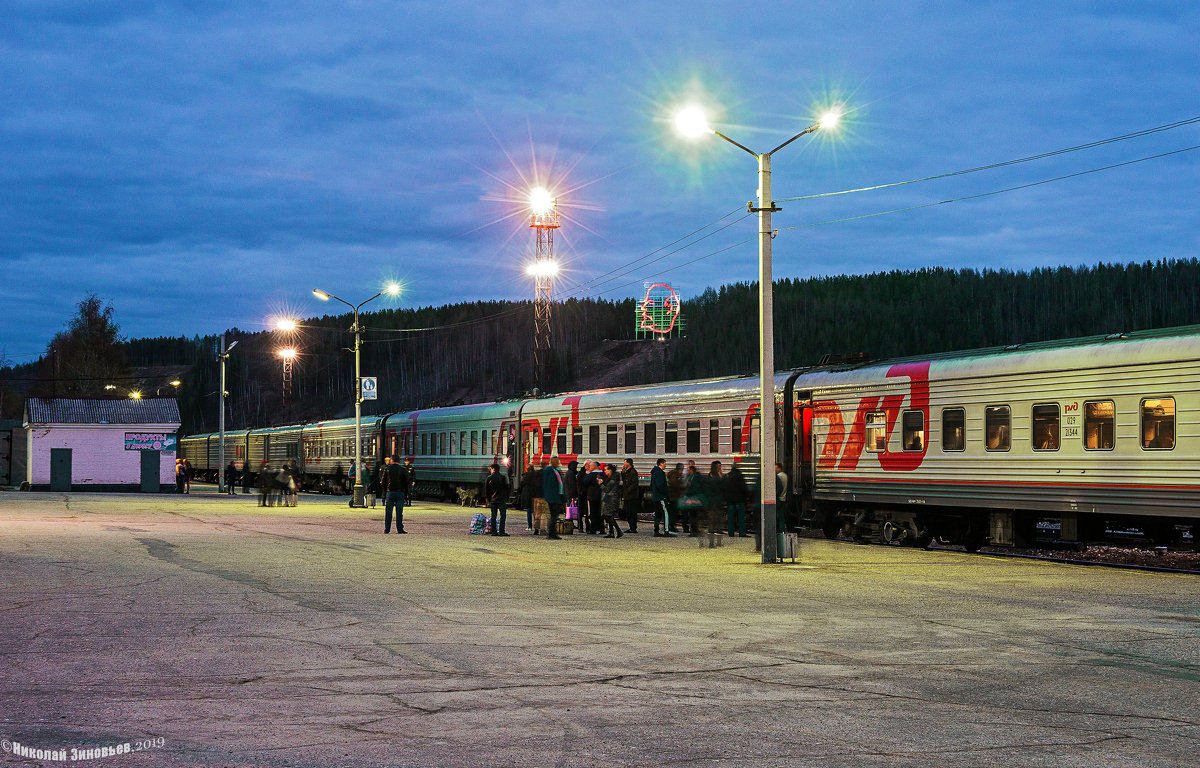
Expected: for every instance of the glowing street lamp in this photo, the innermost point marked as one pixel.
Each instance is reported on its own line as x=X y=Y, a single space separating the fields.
x=392 y=289
x=691 y=122
x=286 y=324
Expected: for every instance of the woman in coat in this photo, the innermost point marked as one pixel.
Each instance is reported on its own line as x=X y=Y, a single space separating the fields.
x=610 y=500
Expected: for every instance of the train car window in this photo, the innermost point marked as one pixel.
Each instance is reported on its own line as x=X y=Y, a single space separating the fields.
x=1099 y=425
x=1158 y=424
x=562 y=439
x=441 y=444
x=650 y=438
x=912 y=425
x=495 y=442
x=693 y=437
x=424 y=443
x=954 y=429
x=997 y=427
x=630 y=439
x=547 y=443
x=670 y=438
x=714 y=435
x=735 y=435
x=611 y=439
x=754 y=434
x=594 y=439
x=577 y=440
x=1045 y=427
x=453 y=443
x=875 y=433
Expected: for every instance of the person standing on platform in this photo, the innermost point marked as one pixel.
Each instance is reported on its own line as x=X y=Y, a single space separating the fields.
x=676 y=488
x=495 y=488
x=631 y=494
x=737 y=493
x=714 y=503
x=411 y=472
x=555 y=489
x=610 y=500
x=595 y=497
x=395 y=485
x=529 y=480
x=660 y=494
x=230 y=479
x=571 y=478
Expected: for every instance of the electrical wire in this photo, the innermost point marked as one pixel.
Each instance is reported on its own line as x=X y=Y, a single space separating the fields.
x=1042 y=156
x=996 y=191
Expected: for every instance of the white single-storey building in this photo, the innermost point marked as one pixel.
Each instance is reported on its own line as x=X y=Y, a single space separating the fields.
x=101 y=444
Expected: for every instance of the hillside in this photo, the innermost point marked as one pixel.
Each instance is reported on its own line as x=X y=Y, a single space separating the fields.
x=482 y=351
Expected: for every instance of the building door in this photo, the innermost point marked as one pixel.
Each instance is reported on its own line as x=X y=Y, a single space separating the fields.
x=60 y=469
x=150 y=471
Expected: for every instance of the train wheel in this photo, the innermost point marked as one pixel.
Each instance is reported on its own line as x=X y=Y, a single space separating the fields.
x=891 y=533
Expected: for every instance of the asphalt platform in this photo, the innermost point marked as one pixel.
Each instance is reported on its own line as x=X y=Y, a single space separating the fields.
x=204 y=630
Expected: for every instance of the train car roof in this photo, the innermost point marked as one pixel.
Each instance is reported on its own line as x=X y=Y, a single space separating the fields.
x=1165 y=345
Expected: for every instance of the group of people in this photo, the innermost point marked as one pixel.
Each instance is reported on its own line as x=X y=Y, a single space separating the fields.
x=599 y=495
x=183 y=476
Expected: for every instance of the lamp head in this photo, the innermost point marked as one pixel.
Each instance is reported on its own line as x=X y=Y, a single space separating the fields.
x=176 y=383
x=542 y=268
x=830 y=119
x=135 y=395
x=285 y=324
x=691 y=122
x=392 y=289
x=287 y=354
x=321 y=295
x=541 y=201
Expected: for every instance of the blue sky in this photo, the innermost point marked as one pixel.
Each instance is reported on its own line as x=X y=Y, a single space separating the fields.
x=203 y=166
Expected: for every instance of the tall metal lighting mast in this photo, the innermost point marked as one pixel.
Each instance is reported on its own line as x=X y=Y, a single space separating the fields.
x=544 y=220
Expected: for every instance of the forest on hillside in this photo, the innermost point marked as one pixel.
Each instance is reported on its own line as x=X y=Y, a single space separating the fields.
x=480 y=351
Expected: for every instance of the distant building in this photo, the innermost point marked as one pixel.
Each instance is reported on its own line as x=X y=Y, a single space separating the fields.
x=101 y=445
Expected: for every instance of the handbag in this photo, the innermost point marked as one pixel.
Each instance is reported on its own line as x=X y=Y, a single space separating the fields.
x=572 y=511
x=691 y=502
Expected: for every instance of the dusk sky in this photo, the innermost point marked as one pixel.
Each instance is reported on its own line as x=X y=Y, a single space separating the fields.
x=206 y=165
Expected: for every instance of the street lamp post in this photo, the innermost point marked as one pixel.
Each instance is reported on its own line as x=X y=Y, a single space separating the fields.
x=692 y=123
x=391 y=290
x=223 y=355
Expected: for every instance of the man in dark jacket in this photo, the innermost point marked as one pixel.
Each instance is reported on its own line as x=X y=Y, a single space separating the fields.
x=736 y=496
x=555 y=491
x=660 y=494
x=677 y=487
x=395 y=486
x=529 y=487
x=631 y=494
x=411 y=472
x=594 y=483
x=495 y=488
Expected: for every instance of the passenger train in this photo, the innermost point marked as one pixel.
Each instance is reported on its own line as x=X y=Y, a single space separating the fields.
x=973 y=448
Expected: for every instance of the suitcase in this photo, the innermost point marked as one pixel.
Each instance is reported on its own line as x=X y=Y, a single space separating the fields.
x=565 y=527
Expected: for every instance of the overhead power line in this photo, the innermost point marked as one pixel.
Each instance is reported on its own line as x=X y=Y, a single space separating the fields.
x=1042 y=156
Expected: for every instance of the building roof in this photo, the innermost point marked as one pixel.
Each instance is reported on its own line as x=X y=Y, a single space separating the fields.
x=149 y=410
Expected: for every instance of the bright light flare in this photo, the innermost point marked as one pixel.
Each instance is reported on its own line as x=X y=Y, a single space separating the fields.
x=830 y=119
x=541 y=201
x=287 y=325
x=691 y=122
x=287 y=354
x=392 y=289
x=542 y=268
x=135 y=395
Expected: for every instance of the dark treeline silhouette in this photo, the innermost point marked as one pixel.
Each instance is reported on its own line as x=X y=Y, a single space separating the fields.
x=482 y=351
